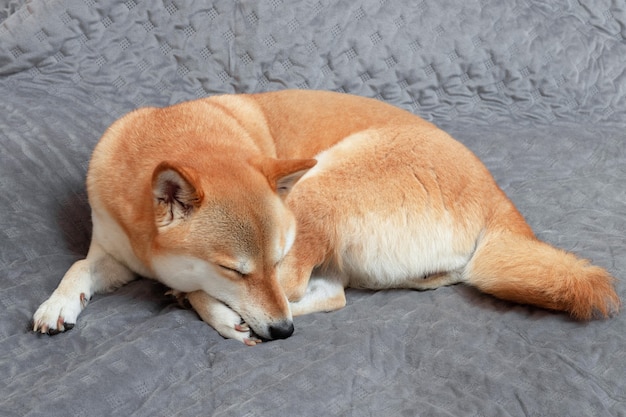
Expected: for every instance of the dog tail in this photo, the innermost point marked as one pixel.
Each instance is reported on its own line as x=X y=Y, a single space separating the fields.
x=513 y=265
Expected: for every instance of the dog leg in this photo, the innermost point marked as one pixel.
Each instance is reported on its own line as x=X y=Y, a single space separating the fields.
x=294 y=272
x=99 y=272
x=433 y=281
x=324 y=293
x=219 y=316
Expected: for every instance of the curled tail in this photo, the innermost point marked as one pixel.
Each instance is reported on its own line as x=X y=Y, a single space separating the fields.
x=518 y=267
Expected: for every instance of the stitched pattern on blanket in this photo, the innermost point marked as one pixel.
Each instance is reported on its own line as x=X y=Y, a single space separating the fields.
x=535 y=88
x=473 y=61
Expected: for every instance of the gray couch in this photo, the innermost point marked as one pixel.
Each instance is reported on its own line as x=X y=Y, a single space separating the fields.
x=537 y=89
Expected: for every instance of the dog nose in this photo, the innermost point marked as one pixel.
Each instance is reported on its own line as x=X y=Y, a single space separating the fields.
x=281 y=330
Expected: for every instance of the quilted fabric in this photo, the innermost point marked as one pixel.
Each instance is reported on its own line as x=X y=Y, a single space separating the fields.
x=537 y=89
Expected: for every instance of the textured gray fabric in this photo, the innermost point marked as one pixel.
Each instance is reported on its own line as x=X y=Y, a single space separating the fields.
x=8 y=7
x=537 y=89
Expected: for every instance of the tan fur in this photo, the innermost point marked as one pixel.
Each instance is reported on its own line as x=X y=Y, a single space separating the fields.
x=222 y=198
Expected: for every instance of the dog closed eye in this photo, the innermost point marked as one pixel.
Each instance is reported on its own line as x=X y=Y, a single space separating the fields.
x=233 y=271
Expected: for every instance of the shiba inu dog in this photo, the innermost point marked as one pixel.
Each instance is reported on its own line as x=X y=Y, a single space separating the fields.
x=266 y=206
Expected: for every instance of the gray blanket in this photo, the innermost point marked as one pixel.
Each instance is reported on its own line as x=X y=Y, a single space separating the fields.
x=536 y=88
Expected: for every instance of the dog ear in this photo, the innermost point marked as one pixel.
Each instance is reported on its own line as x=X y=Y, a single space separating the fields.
x=176 y=192
x=284 y=173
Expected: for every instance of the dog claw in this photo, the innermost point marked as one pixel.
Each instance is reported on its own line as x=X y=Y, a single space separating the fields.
x=251 y=342
x=44 y=329
x=243 y=327
x=83 y=300
x=39 y=327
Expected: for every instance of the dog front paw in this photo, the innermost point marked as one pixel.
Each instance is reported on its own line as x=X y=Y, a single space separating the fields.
x=58 y=313
x=222 y=318
x=231 y=326
x=248 y=336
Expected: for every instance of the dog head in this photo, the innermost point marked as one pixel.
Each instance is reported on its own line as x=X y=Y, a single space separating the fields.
x=223 y=228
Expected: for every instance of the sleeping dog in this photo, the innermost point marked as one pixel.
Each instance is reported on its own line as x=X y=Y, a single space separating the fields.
x=258 y=208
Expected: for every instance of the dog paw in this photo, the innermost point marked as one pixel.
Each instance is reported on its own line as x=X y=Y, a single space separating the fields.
x=236 y=329
x=222 y=318
x=58 y=313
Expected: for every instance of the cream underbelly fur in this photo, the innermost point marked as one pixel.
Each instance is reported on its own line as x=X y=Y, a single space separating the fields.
x=234 y=201
x=400 y=245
